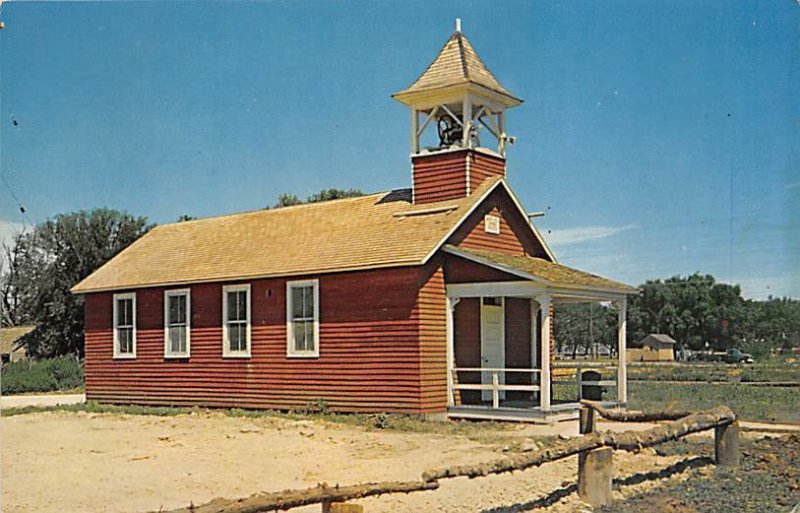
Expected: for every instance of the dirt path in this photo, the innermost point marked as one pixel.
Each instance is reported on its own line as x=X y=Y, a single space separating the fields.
x=19 y=401
x=61 y=461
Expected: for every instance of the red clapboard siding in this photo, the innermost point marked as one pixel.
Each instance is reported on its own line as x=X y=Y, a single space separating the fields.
x=433 y=339
x=452 y=174
x=461 y=270
x=518 y=341
x=382 y=346
x=514 y=238
x=483 y=166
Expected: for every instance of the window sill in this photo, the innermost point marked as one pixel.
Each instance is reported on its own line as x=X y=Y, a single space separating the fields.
x=236 y=355
x=302 y=355
x=176 y=356
x=124 y=357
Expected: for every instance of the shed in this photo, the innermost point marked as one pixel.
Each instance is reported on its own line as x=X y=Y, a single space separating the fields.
x=655 y=347
x=12 y=343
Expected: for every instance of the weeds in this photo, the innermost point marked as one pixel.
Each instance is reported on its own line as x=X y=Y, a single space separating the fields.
x=60 y=373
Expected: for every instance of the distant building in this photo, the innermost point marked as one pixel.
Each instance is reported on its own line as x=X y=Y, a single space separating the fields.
x=12 y=343
x=655 y=347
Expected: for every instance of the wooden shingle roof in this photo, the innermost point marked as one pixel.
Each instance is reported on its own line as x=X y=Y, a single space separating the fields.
x=379 y=230
x=457 y=63
x=551 y=273
x=10 y=337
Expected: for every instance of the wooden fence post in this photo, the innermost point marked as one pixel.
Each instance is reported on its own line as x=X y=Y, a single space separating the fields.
x=495 y=390
x=726 y=444
x=586 y=420
x=595 y=472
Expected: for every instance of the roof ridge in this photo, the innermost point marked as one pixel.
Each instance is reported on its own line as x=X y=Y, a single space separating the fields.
x=281 y=209
x=464 y=67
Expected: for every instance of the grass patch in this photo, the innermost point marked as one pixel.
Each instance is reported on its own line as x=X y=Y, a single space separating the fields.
x=769 y=371
x=62 y=373
x=771 y=404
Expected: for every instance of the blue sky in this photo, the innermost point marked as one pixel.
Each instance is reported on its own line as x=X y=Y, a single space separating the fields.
x=661 y=138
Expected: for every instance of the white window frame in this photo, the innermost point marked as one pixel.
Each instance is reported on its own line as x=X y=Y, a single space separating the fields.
x=226 y=352
x=491 y=224
x=168 y=353
x=290 y=350
x=117 y=354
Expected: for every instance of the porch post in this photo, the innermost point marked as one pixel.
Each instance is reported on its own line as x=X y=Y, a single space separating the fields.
x=544 y=351
x=450 y=305
x=534 y=337
x=622 y=370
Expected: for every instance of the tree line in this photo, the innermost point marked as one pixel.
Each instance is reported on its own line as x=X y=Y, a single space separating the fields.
x=697 y=311
x=39 y=266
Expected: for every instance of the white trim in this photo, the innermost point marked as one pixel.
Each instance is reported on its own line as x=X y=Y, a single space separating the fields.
x=226 y=352
x=291 y=352
x=466 y=167
x=117 y=354
x=494 y=288
x=491 y=224
x=622 y=362
x=532 y=227
x=544 y=350
x=450 y=305
x=601 y=293
x=175 y=293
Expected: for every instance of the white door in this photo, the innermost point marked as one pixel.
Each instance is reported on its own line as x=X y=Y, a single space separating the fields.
x=493 y=345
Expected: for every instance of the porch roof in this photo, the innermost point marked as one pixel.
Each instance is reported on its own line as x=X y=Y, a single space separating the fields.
x=540 y=270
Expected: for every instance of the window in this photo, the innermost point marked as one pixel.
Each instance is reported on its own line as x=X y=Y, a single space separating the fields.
x=177 y=323
x=302 y=318
x=236 y=321
x=125 y=325
x=491 y=224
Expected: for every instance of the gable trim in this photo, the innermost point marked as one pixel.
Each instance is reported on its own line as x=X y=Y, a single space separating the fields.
x=533 y=228
x=494 y=265
x=475 y=206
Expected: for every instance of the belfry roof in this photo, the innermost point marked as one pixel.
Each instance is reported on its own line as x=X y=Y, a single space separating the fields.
x=457 y=63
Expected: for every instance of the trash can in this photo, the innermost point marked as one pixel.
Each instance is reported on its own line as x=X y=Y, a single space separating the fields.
x=591 y=392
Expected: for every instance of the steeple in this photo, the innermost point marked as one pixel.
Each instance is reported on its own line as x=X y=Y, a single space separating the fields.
x=457 y=66
x=466 y=104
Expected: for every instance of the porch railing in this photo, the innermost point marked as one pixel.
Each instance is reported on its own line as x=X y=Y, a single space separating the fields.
x=495 y=386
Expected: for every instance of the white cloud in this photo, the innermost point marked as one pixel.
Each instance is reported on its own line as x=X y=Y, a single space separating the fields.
x=579 y=234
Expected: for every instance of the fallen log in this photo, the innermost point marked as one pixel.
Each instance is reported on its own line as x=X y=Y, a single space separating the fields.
x=635 y=416
x=520 y=461
x=631 y=441
x=634 y=441
x=276 y=501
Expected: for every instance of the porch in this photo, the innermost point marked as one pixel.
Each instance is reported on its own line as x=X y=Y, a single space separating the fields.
x=500 y=356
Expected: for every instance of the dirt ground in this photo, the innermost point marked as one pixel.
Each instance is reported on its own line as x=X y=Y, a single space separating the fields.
x=77 y=461
x=767 y=480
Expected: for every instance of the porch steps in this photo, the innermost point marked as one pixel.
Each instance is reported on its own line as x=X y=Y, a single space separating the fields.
x=557 y=413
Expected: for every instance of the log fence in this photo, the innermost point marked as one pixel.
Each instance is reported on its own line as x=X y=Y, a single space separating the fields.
x=594 y=450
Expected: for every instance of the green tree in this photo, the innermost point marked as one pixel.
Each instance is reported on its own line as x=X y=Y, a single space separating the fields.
x=288 y=200
x=52 y=258
x=579 y=327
